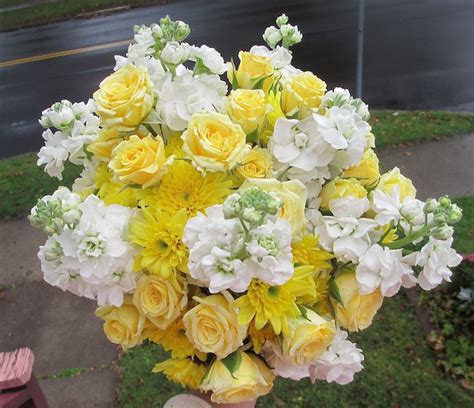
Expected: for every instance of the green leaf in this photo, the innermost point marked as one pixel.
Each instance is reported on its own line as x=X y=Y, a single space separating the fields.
x=304 y=312
x=252 y=137
x=232 y=362
x=334 y=290
x=234 y=82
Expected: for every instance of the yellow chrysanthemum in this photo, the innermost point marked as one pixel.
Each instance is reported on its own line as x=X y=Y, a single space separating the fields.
x=160 y=236
x=183 y=371
x=174 y=145
x=174 y=340
x=259 y=337
x=307 y=252
x=112 y=192
x=265 y=303
x=274 y=112
x=186 y=188
x=302 y=284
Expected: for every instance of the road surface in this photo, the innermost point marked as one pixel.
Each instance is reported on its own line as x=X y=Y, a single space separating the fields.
x=418 y=54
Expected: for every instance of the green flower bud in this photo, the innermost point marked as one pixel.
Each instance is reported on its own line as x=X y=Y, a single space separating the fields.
x=281 y=20
x=443 y=232
x=454 y=214
x=269 y=243
x=182 y=31
x=53 y=253
x=231 y=207
x=445 y=202
x=430 y=206
x=252 y=216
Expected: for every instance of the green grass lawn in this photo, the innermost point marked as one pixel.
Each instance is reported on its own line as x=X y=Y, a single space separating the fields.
x=395 y=127
x=55 y=10
x=22 y=182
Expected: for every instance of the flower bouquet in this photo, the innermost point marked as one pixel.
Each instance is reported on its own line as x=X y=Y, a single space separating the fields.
x=246 y=232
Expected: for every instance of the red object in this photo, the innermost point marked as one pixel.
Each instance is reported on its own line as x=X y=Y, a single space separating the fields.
x=18 y=385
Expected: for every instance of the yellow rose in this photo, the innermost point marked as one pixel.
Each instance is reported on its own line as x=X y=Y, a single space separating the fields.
x=394 y=178
x=124 y=98
x=214 y=142
x=103 y=146
x=367 y=171
x=339 y=188
x=302 y=93
x=293 y=194
x=308 y=338
x=247 y=108
x=159 y=300
x=123 y=325
x=254 y=71
x=257 y=164
x=140 y=161
x=250 y=378
x=354 y=311
x=212 y=325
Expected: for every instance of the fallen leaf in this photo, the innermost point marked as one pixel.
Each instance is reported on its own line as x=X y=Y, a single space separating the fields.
x=408 y=154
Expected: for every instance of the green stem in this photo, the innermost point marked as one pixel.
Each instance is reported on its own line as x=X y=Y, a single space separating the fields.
x=150 y=129
x=408 y=239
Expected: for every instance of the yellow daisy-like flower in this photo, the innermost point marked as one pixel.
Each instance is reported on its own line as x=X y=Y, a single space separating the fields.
x=267 y=304
x=112 y=192
x=183 y=187
x=259 y=337
x=160 y=236
x=302 y=285
x=183 y=371
x=174 y=340
x=274 y=112
x=307 y=252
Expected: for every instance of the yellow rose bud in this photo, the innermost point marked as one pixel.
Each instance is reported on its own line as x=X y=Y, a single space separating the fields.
x=214 y=142
x=293 y=194
x=123 y=325
x=394 y=178
x=302 y=93
x=103 y=146
x=124 y=98
x=367 y=171
x=354 y=311
x=254 y=71
x=339 y=188
x=140 y=161
x=308 y=338
x=247 y=108
x=250 y=378
x=257 y=164
x=159 y=300
x=212 y=325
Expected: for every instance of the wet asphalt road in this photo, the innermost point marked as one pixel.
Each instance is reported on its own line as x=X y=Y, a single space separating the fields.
x=418 y=54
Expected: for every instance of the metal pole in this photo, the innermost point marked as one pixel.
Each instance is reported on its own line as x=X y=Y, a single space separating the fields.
x=360 y=47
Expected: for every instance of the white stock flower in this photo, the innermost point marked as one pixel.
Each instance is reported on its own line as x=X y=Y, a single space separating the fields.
x=54 y=153
x=341 y=97
x=272 y=36
x=175 y=53
x=435 y=258
x=345 y=233
x=92 y=259
x=384 y=268
x=280 y=57
x=340 y=362
x=298 y=144
x=345 y=131
x=180 y=98
x=210 y=57
x=213 y=243
x=269 y=247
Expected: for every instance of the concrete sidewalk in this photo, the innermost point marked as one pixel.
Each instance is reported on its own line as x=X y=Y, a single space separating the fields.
x=67 y=338
x=73 y=358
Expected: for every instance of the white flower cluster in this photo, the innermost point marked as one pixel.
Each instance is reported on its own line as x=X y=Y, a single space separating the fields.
x=181 y=92
x=320 y=146
x=286 y=33
x=236 y=242
x=69 y=127
x=90 y=257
